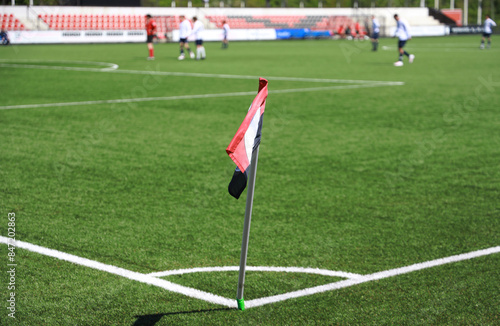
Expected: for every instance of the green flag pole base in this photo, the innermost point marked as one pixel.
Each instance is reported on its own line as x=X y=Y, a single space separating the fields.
x=241 y=304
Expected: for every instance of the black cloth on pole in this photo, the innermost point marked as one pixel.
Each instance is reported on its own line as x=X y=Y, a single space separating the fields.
x=238 y=183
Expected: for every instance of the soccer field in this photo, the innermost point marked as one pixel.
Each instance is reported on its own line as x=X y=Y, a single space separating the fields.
x=376 y=199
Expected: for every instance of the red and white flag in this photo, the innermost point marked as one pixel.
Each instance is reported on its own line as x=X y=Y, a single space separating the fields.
x=247 y=140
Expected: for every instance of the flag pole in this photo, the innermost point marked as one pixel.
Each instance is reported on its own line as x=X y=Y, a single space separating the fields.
x=246 y=229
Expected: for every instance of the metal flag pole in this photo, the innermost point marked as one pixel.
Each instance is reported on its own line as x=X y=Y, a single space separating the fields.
x=246 y=228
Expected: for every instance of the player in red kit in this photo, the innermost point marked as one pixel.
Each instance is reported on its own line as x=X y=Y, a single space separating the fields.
x=151 y=32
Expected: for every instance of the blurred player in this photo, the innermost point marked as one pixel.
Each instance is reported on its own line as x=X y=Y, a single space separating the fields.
x=403 y=34
x=197 y=32
x=488 y=24
x=4 y=38
x=375 y=33
x=357 y=30
x=348 y=32
x=341 y=31
x=151 y=33
x=184 y=32
x=225 y=28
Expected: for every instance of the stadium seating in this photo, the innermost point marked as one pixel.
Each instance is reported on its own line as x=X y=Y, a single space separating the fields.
x=169 y=23
x=109 y=22
x=93 y=22
x=10 y=23
x=284 y=22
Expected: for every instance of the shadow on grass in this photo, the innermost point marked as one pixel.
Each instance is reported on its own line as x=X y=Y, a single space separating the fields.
x=151 y=320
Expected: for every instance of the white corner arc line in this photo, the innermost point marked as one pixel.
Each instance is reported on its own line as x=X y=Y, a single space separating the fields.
x=371 y=277
x=306 y=270
x=143 y=278
x=212 y=298
x=14 y=63
x=196 y=96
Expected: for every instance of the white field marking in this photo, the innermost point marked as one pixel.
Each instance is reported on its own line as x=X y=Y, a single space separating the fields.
x=317 y=271
x=14 y=65
x=107 y=66
x=371 y=277
x=143 y=278
x=196 y=96
x=226 y=76
x=433 y=49
x=438 y=45
x=212 y=298
x=113 y=69
x=126 y=100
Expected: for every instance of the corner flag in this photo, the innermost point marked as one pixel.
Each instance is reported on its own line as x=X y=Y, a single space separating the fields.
x=244 y=151
x=247 y=140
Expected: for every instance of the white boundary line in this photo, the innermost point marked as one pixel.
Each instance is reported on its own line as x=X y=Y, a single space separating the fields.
x=125 y=100
x=112 y=68
x=372 y=277
x=271 y=78
x=143 y=278
x=195 y=96
x=418 y=48
x=212 y=298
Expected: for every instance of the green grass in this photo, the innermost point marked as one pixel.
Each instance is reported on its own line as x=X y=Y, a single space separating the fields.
x=357 y=180
x=257 y=284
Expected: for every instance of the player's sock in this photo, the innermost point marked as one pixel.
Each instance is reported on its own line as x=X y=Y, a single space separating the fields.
x=376 y=46
x=400 y=57
x=406 y=54
x=151 y=53
x=489 y=44
x=198 y=53
x=182 y=51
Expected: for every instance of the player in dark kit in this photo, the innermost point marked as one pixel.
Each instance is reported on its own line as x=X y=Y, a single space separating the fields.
x=151 y=32
x=4 y=38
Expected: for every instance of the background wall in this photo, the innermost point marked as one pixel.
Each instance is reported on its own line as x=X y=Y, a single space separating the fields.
x=422 y=24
